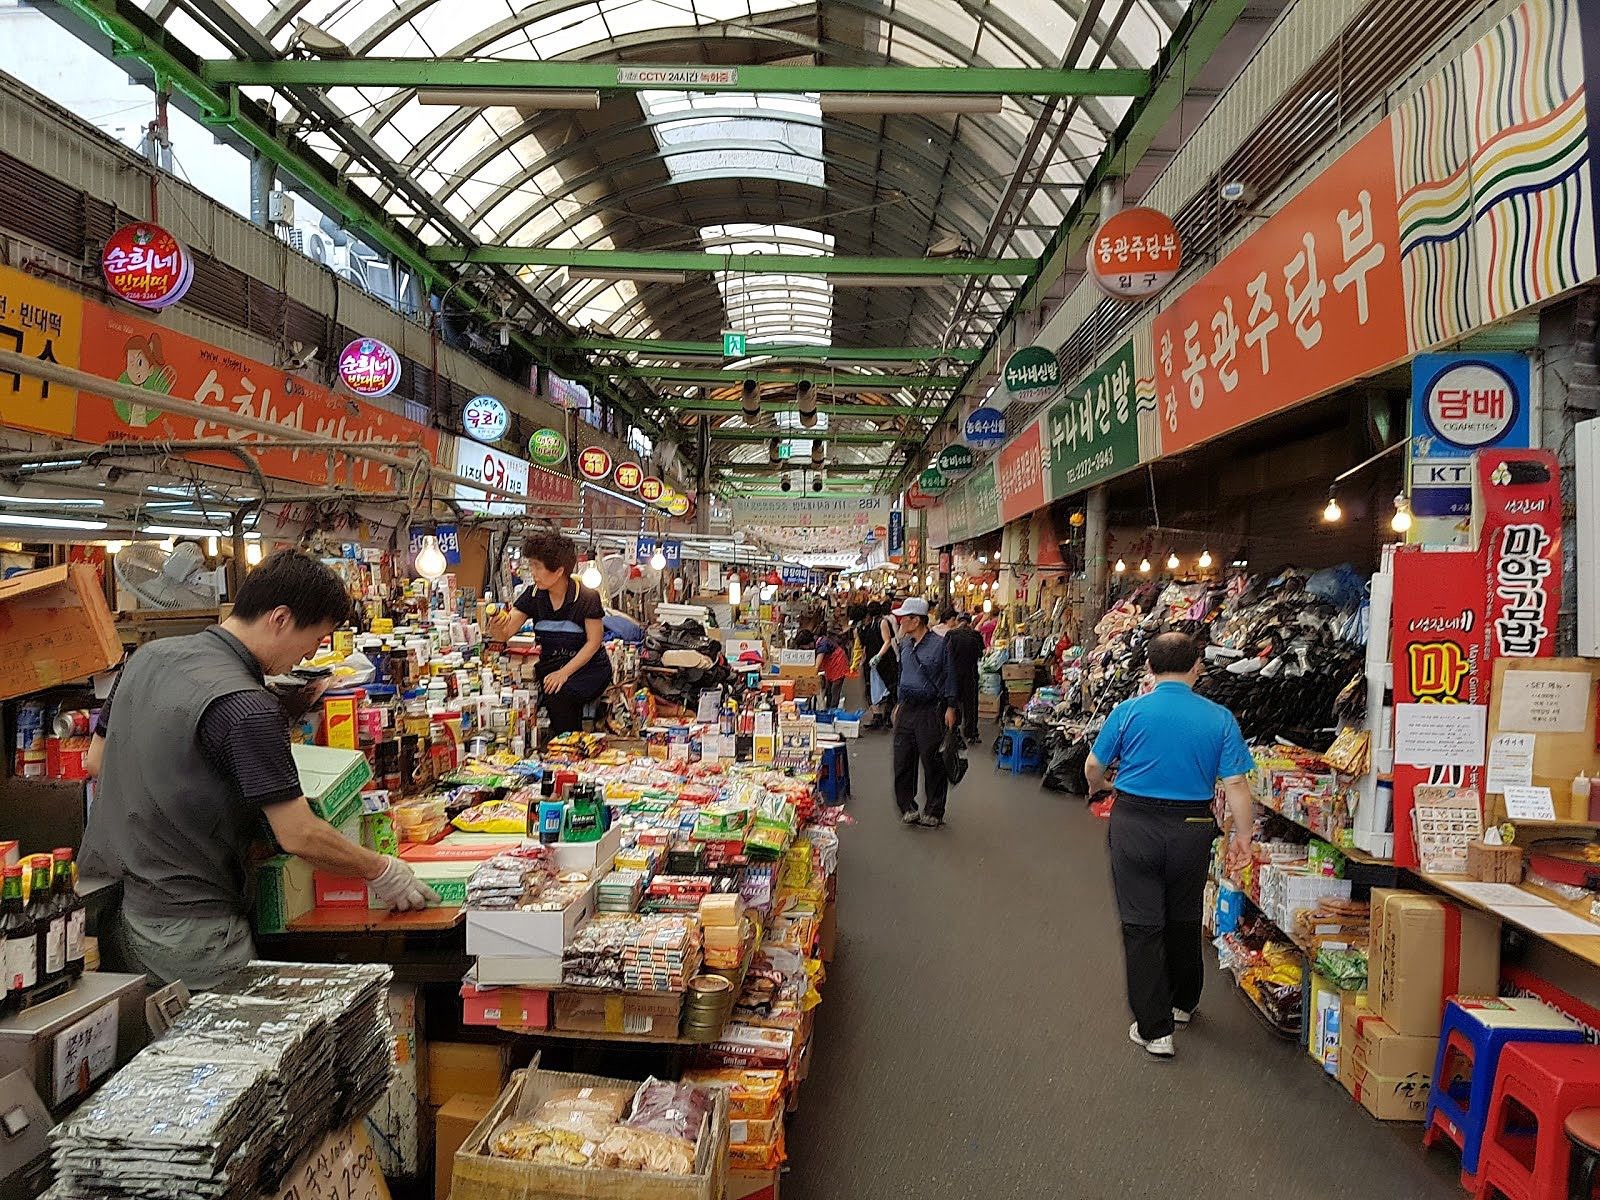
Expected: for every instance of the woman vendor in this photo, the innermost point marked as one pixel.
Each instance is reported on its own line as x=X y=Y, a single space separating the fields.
x=569 y=623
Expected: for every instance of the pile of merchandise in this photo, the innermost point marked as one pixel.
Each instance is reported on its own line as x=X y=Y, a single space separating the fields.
x=586 y=1127
x=633 y=953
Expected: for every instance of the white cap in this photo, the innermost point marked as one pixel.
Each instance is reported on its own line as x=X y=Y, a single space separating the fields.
x=912 y=606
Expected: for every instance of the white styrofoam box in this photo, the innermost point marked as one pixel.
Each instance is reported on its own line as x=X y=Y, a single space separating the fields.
x=847 y=729
x=529 y=970
x=593 y=858
x=524 y=934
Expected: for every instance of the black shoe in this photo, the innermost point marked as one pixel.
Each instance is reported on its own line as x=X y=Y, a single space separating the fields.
x=929 y=821
x=911 y=817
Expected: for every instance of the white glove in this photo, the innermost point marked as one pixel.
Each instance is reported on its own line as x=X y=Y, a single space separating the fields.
x=400 y=889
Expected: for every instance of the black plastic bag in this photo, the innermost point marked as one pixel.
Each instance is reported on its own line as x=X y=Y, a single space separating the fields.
x=955 y=755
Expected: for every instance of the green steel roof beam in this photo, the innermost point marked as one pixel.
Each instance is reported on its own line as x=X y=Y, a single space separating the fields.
x=632 y=77
x=751 y=264
x=755 y=436
x=867 y=412
x=851 y=382
x=653 y=348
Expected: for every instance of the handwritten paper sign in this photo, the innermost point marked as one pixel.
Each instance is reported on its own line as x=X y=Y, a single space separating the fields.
x=1544 y=701
x=1530 y=804
x=1439 y=735
x=341 y=1167
x=84 y=1052
x=1510 y=761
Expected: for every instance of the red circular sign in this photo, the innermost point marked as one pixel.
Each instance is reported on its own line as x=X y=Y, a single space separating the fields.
x=1135 y=253
x=917 y=498
x=369 y=368
x=651 y=489
x=594 y=462
x=145 y=265
x=629 y=476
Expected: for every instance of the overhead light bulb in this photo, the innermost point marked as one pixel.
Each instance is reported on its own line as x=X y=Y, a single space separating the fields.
x=252 y=553
x=591 y=576
x=1333 y=512
x=658 y=560
x=211 y=546
x=1172 y=561
x=983 y=558
x=733 y=590
x=1144 y=566
x=988 y=604
x=1401 y=521
x=1120 y=567
x=1205 y=559
x=431 y=562
x=114 y=547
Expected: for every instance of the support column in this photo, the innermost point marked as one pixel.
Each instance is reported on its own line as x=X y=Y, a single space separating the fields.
x=1568 y=392
x=263 y=178
x=1095 y=536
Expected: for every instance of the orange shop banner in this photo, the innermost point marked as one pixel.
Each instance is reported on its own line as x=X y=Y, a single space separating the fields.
x=1312 y=300
x=1021 y=474
x=164 y=362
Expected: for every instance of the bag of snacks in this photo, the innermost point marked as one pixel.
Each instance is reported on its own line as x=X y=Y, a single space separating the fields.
x=592 y=1112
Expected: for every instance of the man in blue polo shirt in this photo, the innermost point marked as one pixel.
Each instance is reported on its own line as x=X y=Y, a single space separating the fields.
x=1169 y=747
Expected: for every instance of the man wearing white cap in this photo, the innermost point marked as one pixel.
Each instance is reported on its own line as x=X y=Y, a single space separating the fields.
x=927 y=692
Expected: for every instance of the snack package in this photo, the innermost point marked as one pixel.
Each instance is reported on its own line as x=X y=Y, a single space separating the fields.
x=628 y=1149
x=534 y=1141
x=496 y=816
x=674 y=1109
x=590 y=1112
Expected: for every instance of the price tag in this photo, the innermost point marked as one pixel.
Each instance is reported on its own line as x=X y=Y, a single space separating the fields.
x=84 y=1051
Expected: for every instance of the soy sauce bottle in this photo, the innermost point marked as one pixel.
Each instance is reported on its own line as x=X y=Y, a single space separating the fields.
x=21 y=942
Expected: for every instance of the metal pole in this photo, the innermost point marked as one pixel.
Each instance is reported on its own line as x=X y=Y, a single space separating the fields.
x=1094 y=562
x=263 y=178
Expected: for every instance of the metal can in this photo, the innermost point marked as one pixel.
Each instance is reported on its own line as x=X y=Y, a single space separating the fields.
x=30 y=756
x=72 y=722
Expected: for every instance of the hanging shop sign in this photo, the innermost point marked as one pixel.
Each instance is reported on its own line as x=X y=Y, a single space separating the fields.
x=1135 y=253
x=547 y=447
x=495 y=468
x=955 y=461
x=1460 y=404
x=1021 y=474
x=815 y=510
x=932 y=481
x=564 y=393
x=917 y=498
x=369 y=368
x=145 y=265
x=937 y=524
x=629 y=476
x=672 y=548
x=897 y=534
x=644 y=547
x=1093 y=434
x=1031 y=376
x=1310 y=301
x=1518 y=519
x=664 y=501
x=551 y=487
x=594 y=462
x=679 y=505
x=485 y=419
x=985 y=427
x=651 y=489
x=983 y=500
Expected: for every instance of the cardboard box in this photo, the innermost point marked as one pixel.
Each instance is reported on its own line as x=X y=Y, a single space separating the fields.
x=338 y=891
x=397 y=1120
x=648 y=1015
x=753 y=1185
x=529 y=970
x=1378 y=1050
x=480 y=1176
x=1417 y=972
x=465 y=1067
x=1392 y=1097
x=515 y=934
x=332 y=780
x=285 y=890
x=520 y=1007
x=456 y=1119
x=594 y=858
x=988 y=706
x=448 y=879
x=1352 y=1006
x=58 y=629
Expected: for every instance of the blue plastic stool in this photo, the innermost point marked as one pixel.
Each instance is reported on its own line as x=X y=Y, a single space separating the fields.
x=1018 y=751
x=833 y=776
x=1475 y=1030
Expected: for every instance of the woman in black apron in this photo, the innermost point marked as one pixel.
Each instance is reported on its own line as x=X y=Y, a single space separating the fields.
x=568 y=621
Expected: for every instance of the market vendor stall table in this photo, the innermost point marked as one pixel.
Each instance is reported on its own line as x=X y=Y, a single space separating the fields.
x=1532 y=917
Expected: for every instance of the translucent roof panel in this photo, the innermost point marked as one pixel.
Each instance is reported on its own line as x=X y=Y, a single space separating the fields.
x=774 y=307
x=724 y=135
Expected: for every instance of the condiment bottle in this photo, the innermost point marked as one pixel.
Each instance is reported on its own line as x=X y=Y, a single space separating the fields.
x=1581 y=792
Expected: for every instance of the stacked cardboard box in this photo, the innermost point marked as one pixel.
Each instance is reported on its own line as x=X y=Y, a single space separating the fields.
x=1424 y=950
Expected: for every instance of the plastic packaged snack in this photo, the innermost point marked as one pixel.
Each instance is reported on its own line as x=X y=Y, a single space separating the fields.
x=592 y=1112
x=535 y=1141
x=628 y=1149
x=674 y=1109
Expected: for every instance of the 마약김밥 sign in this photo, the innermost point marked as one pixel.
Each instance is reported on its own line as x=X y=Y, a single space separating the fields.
x=1135 y=253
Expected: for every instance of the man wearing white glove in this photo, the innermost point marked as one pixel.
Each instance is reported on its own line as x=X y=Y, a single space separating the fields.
x=191 y=752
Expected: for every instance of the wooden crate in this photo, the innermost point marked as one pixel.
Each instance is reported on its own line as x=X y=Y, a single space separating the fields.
x=478 y=1175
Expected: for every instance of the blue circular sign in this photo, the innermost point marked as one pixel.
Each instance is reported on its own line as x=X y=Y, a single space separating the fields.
x=985 y=427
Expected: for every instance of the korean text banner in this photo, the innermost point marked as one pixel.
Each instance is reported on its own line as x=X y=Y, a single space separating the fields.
x=1093 y=434
x=983 y=500
x=1022 y=479
x=1311 y=300
x=860 y=513
x=165 y=362
x=44 y=322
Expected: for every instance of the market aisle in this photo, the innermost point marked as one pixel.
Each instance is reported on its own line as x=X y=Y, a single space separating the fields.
x=973 y=1042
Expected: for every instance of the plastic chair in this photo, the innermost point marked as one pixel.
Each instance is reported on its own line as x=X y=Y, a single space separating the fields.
x=1583 y=1135
x=1018 y=751
x=1475 y=1031
x=1541 y=1086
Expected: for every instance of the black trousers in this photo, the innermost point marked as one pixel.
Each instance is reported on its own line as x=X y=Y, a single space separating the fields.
x=967 y=701
x=1160 y=854
x=919 y=737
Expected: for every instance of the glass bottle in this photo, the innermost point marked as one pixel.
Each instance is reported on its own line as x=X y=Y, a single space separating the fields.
x=51 y=936
x=72 y=907
x=21 y=949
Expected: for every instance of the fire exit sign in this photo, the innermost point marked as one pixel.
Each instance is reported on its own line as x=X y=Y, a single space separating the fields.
x=733 y=344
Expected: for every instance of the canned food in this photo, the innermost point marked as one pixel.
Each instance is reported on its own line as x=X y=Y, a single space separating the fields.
x=72 y=722
x=30 y=760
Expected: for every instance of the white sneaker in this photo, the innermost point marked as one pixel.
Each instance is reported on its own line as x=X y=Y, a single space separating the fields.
x=1160 y=1047
x=1181 y=1017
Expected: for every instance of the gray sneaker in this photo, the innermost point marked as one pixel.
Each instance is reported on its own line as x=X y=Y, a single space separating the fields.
x=910 y=817
x=929 y=821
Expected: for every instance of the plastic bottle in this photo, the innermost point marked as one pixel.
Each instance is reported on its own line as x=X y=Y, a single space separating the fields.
x=1582 y=798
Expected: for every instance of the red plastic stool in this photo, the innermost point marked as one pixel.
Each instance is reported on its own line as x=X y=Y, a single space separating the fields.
x=1542 y=1085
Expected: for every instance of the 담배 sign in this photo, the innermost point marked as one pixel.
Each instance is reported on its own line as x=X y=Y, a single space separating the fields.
x=1544 y=701
x=1440 y=735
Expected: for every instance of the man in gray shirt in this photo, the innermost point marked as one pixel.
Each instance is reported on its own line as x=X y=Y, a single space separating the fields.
x=191 y=753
